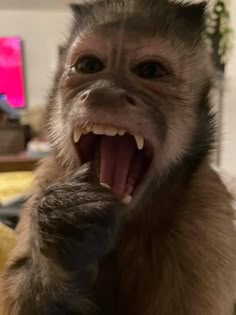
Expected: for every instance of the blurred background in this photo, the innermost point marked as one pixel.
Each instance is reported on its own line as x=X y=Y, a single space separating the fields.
x=31 y=34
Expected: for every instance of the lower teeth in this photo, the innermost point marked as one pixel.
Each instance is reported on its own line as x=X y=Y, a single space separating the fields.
x=127 y=200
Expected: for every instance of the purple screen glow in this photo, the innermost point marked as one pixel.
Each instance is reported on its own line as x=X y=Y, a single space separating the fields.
x=11 y=71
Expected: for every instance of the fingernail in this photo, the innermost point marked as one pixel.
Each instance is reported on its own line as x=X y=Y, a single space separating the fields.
x=105 y=185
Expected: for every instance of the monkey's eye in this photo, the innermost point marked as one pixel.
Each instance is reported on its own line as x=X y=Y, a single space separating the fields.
x=150 y=70
x=88 y=65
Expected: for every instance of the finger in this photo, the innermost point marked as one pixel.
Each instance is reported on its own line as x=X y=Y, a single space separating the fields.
x=86 y=173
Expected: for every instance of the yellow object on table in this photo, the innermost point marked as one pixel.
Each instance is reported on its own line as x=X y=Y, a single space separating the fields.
x=7 y=242
x=14 y=184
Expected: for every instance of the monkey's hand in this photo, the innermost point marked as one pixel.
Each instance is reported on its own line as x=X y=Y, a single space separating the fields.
x=78 y=221
x=74 y=224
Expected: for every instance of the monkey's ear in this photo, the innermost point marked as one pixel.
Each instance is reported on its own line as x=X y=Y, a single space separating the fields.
x=196 y=8
x=81 y=9
x=76 y=8
x=83 y=14
x=194 y=12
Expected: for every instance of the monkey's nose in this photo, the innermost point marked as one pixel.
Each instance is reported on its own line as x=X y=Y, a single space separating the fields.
x=107 y=97
x=83 y=97
x=130 y=100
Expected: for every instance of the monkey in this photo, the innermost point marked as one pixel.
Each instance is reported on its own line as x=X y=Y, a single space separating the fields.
x=127 y=215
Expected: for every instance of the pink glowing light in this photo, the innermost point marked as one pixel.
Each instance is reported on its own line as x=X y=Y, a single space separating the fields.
x=11 y=71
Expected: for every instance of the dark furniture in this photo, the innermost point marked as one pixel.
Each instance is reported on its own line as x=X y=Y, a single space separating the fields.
x=17 y=163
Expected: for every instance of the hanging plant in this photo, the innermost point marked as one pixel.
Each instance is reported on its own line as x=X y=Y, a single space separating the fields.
x=218 y=28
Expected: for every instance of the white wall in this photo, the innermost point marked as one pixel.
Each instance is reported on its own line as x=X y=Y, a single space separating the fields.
x=228 y=156
x=41 y=32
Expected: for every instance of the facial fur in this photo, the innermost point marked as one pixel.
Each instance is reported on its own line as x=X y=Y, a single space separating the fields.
x=170 y=111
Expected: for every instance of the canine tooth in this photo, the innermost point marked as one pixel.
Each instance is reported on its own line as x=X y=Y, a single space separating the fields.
x=98 y=130
x=85 y=131
x=127 y=200
x=110 y=131
x=89 y=128
x=140 y=141
x=121 y=132
x=77 y=135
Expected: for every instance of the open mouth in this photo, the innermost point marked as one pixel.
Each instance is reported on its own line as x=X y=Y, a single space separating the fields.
x=121 y=159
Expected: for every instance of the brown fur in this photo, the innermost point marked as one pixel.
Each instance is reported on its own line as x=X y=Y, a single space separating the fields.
x=151 y=272
x=174 y=253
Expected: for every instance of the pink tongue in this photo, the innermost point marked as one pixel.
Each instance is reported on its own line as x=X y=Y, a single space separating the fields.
x=117 y=154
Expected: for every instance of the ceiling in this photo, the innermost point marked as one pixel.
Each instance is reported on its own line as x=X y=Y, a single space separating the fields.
x=34 y=4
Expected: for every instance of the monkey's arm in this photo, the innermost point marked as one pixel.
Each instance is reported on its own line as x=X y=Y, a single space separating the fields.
x=31 y=285
x=62 y=236
x=201 y=251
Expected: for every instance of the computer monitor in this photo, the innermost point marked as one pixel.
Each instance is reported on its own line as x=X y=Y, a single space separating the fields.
x=11 y=72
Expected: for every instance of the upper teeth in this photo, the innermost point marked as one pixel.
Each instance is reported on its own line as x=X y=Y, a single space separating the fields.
x=77 y=135
x=99 y=129
x=139 y=141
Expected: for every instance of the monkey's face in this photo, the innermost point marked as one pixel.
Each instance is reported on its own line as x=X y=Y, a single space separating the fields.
x=127 y=101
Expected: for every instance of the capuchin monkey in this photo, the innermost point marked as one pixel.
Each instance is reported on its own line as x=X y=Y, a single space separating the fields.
x=126 y=216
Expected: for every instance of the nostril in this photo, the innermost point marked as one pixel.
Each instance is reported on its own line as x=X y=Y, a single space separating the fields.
x=84 y=96
x=130 y=99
